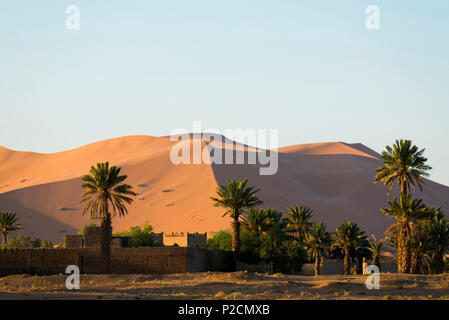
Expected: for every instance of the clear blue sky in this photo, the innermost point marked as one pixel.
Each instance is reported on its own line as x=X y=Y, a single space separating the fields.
x=308 y=68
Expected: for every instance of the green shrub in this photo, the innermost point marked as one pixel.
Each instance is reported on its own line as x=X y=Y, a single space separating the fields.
x=296 y=257
x=250 y=251
x=221 y=241
x=287 y=256
x=46 y=244
x=19 y=242
x=26 y=242
x=141 y=236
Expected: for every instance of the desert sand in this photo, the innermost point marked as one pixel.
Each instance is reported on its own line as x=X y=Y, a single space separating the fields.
x=225 y=286
x=334 y=179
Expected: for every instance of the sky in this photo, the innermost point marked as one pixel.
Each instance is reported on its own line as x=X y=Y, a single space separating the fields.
x=310 y=69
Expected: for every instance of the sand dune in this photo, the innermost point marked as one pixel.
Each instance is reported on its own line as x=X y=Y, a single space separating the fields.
x=335 y=179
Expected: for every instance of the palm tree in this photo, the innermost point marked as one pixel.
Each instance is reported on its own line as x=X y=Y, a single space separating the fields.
x=104 y=189
x=376 y=247
x=316 y=241
x=348 y=237
x=362 y=251
x=277 y=230
x=8 y=223
x=256 y=221
x=404 y=164
x=437 y=231
x=299 y=221
x=407 y=212
x=235 y=196
x=419 y=258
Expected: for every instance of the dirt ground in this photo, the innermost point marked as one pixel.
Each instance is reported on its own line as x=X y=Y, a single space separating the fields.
x=233 y=286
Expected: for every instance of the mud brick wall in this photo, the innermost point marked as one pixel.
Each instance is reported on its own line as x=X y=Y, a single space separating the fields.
x=38 y=261
x=117 y=242
x=215 y=261
x=198 y=240
x=197 y=259
x=175 y=239
x=38 y=257
x=158 y=237
x=152 y=260
x=73 y=241
x=122 y=242
x=92 y=236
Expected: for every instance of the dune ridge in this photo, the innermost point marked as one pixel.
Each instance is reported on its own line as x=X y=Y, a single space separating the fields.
x=334 y=178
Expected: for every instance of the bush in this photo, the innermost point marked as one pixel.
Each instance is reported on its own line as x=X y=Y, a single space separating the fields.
x=221 y=241
x=141 y=236
x=26 y=242
x=46 y=244
x=36 y=243
x=250 y=251
x=19 y=242
x=288 y=256
x=296 y=257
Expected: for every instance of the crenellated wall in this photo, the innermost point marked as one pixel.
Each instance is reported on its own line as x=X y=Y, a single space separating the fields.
x=195 y=240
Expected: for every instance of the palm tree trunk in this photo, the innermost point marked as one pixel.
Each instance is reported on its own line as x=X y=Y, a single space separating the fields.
x=376 y=262
x=4 y=237
x=347 y=263
x=404 y=252
x=236 y=234
x=359 y=264
x=317 y=264
x=403 y=189
x=235 y=240
x=106 y=237
x=416 y=263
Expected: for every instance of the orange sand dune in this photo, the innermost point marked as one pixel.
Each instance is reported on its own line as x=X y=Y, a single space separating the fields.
x=324 y=148
x=335 y=179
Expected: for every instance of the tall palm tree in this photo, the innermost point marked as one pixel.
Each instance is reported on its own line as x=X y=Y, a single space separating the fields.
x=299 y=221
x=235 y=196
x=104 y=189
x=316 y=241
x=407 y=212
x=376 y=247
x=404 y=164
x=8 y=223
x=348 y=237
